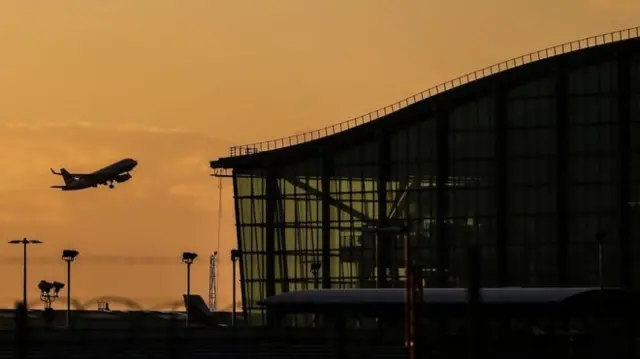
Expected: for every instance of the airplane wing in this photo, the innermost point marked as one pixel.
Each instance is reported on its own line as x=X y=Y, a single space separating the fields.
x=96 y=178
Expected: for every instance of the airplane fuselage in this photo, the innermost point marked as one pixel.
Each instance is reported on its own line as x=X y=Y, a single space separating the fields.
x=117 y=172
x=123 y=166
x=75 y=185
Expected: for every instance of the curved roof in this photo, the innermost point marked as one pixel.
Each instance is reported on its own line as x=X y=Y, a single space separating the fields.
x=431 y=295
x=518 y=62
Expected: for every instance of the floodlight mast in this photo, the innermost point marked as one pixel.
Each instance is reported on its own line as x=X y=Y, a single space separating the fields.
x=24 y=242
x=69 y=255
x=45 y=292
x=188 y=258
x=235 y=255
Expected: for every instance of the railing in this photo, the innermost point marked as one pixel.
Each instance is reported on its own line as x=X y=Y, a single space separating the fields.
x=593 y=41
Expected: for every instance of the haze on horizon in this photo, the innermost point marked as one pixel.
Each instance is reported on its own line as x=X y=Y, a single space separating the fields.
x=174 y=83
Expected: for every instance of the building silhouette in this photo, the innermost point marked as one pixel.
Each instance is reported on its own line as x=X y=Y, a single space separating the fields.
x=530 y=159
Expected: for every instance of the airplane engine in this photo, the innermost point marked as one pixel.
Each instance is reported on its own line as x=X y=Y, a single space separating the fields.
x=123 y=178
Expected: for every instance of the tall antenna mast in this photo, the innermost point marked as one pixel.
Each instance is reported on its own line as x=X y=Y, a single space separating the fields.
x=213 y=260
x=213 y=285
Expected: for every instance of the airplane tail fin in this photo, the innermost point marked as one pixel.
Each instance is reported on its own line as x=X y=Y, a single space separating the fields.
x=68 y=178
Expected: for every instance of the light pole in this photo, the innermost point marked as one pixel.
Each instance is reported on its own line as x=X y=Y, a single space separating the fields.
x=600 y=236
x=45 y=292
x=47 y=297
x=315 y=270
x=188 y=258
x=235 y=255
x=413 y=282
x=68 y=255
x=24 y=242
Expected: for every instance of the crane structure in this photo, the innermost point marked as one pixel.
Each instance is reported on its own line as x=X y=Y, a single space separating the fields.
x=213 y=284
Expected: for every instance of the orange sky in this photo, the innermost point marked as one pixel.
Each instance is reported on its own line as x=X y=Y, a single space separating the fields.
x=173 y=83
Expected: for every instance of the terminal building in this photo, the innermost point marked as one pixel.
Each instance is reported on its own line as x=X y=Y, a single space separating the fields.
x=536 y=160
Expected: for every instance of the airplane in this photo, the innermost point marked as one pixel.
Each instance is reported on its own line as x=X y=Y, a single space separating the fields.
x=116 y=172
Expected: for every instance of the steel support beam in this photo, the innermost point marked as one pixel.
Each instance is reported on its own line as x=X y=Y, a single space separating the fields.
x=330 y=200
x=624 y=168
x=442 y=199
x=562 y=163
x=502 y=183
x=281 y=241
x=241 y=262
x=327 y=201
x=271 y=189
x=384 y=240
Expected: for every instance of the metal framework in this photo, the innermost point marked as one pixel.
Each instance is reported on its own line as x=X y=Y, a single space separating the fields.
x=529 y=164
x=615 y=36
x=213 y=281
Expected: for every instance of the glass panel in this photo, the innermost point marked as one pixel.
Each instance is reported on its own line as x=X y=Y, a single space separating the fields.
x=635 y=173
x=592 y=174
x=352 y=195
x=251 y=209
x=411 y=196
x=544 y=88
x=472 y=189
x=600 y=78
x=635 y=75
x=531 y=204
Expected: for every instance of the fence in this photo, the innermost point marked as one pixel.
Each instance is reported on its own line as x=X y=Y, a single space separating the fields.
x=459 y=81
x=134 y=339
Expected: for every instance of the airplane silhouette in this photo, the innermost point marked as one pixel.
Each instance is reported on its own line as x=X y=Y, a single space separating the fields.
x=116 y=172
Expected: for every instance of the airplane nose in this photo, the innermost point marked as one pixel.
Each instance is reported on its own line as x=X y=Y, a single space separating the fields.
x=134 y=162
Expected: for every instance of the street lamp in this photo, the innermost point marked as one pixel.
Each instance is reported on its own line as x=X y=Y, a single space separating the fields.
x=48 y=297
x=45 y=291
x=188 y=258
x=235 y=255
x=68 y=255
x=24 y=242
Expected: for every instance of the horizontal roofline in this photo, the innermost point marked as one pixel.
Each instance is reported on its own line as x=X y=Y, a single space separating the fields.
x=549 y=52
x=430 y=295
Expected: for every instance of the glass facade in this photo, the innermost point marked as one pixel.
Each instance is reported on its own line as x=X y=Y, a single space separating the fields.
x=530 y=171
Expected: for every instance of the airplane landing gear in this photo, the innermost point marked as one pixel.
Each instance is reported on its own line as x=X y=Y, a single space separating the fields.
x=111 y=185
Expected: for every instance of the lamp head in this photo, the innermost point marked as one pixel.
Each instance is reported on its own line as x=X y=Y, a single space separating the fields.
x=44 y=286
x=69 y=254
x=15 y=241
x=315 y=266
x=235 y=254
x=57 y=286
x=189 y=257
